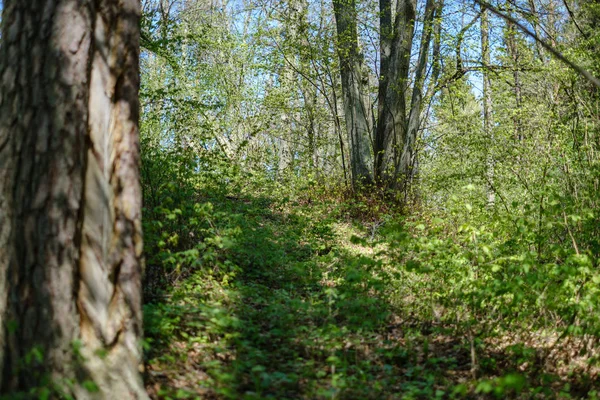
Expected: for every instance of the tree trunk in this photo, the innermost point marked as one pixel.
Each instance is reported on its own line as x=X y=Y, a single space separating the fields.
x=488 y=122
x=70 y=207
x=536 y=29
x=407 y=168
x=355 y=110
x=309 y=91
x=513 y=52
x=397 y=33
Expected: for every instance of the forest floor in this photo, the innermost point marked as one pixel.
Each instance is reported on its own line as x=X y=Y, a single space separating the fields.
x=299 y=301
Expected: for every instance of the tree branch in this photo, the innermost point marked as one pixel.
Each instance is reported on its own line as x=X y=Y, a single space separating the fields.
x=595 y=81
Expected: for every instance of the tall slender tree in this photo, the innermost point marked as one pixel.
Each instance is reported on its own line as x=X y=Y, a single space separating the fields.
x=398 y=118
x=70 y=229
x=355 y=109
x=488 y=122
x=396 y=39
x=407 y=165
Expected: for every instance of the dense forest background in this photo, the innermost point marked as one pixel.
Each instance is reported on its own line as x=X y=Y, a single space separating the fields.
x=472 y=272
x=342 y=199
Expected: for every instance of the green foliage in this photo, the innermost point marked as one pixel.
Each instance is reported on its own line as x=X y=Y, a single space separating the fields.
x=290 y=310
x=266 y=278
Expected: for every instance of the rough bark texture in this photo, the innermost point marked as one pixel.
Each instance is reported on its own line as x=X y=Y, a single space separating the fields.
x=70 y=223
x=355 y=110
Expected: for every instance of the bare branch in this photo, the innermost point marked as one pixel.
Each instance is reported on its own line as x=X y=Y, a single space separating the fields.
x=595 y=81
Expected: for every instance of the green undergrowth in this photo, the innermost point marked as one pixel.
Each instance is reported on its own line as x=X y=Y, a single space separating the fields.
x=256 y=290
x=279 y=310
x=280 y=305
x=290 y=299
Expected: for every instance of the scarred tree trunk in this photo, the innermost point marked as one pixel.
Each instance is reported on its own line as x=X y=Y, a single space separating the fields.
x=70 y=227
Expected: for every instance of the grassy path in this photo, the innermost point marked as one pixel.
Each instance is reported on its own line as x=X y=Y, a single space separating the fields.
x=299 y=305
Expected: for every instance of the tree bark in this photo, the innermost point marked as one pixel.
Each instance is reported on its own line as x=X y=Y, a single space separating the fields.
x=488 y=122
x=355 y=110
x=70 y=207
x=536 y=29
x=397 y=33
x=513 y=52
x=407 y=168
